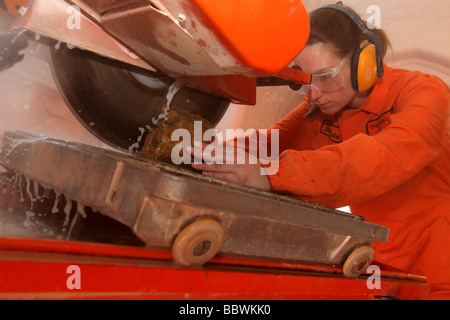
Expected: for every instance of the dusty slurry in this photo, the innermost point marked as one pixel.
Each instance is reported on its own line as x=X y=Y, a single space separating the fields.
x=164 y=115
x=58 y=218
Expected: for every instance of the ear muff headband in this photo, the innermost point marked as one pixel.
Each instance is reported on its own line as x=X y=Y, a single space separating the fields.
x=364 y=53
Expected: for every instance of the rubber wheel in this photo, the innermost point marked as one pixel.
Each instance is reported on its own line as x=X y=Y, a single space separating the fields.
x=198 y=243
x=358 y=262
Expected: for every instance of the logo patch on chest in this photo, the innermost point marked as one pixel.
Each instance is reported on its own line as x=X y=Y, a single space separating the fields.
x=375 y=126
x=332 y=131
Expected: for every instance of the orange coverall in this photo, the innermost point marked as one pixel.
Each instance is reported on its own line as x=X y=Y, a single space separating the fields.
x=389 y=161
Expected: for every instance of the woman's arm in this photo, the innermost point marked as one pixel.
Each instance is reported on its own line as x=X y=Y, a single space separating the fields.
x=364 y=166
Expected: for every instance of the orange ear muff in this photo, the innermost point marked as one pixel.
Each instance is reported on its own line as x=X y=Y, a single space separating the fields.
x=364 y=67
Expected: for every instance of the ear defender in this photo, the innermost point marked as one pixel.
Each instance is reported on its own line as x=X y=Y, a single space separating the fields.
x=364 y=67
x=367 y=61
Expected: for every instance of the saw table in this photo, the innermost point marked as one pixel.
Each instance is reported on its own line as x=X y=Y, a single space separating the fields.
x=196 y=216
x=269 y=246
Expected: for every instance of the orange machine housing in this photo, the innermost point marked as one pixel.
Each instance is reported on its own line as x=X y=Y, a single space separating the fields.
x=13 y=6
x=265 y=36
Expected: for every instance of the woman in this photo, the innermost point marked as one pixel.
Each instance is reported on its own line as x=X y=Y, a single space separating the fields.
x=383 y=149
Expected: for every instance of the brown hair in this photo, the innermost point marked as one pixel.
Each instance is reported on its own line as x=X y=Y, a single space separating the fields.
x=339 y=32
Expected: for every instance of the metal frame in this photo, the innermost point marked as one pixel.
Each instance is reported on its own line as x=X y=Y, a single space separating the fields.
x=39 y=269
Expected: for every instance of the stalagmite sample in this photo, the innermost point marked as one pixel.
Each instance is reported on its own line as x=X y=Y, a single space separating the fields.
x=159 y=144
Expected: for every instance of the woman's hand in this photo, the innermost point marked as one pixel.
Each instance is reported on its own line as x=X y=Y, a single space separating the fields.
x=248 y=171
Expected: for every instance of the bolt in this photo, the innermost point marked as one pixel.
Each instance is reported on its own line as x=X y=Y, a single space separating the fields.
x=182 y=19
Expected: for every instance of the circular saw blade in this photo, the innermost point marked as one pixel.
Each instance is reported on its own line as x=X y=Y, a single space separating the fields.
x=116 y=102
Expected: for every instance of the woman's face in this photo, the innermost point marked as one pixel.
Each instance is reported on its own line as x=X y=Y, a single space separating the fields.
x=319 y=59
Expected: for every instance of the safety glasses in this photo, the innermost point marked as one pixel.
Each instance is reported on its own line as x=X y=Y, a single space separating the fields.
x=331 y=80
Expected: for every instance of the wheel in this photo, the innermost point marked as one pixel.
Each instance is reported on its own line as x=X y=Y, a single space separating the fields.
x=198 y=243
x=358 y=262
